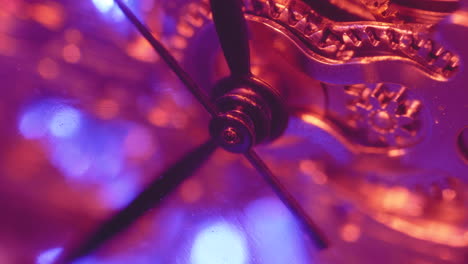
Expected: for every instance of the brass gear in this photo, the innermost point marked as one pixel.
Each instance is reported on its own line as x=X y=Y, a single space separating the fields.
x=386 y=113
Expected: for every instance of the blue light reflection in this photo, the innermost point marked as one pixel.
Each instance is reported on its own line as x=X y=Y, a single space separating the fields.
x=65 y=121
x=104 y=6
x=276 y=235
x=49 y=117
x=94 y=152
x=219 y=243
x=110 y=10
x=33 y=122
x=119 y=192
x=84 y=149
x=49 y=256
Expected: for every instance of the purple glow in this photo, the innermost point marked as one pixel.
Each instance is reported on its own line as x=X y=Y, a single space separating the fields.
x=33 y=123
x=52 y=116
x=133 y=259
x=120 y=191
x=70 y=159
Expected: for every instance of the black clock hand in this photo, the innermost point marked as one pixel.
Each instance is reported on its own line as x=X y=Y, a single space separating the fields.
x=151 y=197
x=232 y=33
x=169 y=59
x=294 y=207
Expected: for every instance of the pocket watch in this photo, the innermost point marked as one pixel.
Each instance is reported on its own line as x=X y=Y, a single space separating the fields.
x=233 y=131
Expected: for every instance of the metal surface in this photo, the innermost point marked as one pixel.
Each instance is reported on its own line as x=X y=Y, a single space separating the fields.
x=378 y=122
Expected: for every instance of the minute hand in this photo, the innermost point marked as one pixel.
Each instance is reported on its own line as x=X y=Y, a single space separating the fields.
x=231 y=28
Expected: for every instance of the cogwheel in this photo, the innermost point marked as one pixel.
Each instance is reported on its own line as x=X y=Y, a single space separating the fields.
x=385 y=113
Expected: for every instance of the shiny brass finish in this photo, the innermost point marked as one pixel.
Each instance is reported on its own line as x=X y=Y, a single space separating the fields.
x=381 y=101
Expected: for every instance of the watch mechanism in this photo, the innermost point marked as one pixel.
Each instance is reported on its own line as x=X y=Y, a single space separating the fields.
x=234 y=131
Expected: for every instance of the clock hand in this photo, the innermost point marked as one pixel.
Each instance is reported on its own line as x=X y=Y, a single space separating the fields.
x=294 y=207
x=169 y=59
x=152 y=196
x=232 y=33
x=231 y=28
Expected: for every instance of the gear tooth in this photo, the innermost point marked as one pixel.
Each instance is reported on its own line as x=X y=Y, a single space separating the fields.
x=330 y=41
x=366 y=94
x=314 y=21
x=277 y=7
x=417 y=43
x=309 y=27
x=452 y=66
x=442 y=61
x=394 y=38
x=362 y=109
x=351 y=39
x=377 y=96
x=272 y=10
x=400 y=94
x=388 y=37
x=413 y=108
x=298 y=11
x=378 y=90
x=406 y=42
x=301 y=25
x=284 y=16
x=316 y=37
x=437 y=51
x=425 y=50
x=357 y=94
x=372 y=36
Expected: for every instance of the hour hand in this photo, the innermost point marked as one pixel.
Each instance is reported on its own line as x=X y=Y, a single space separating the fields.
x=152 y=196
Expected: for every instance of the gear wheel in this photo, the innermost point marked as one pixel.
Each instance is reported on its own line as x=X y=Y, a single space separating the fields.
x=386 y=113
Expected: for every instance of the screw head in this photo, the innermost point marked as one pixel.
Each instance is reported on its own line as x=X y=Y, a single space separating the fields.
x=233 y=131
x=231 y=136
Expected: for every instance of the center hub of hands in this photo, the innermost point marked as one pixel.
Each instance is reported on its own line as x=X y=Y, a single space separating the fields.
x=249 y=112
